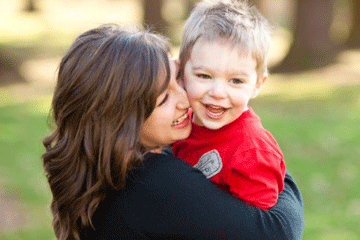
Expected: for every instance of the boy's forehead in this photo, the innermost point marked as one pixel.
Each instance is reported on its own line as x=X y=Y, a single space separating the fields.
x=224 y=43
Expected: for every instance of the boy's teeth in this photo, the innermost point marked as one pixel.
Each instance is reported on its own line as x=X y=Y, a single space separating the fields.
x=181 y=119
x=216 y=110
x=215 y=107
x=217 y=114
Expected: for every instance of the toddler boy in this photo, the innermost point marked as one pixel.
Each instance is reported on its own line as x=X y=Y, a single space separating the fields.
x=223 y=58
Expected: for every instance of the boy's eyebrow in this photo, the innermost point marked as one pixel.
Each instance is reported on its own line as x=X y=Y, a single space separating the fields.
x=198 y=67
x=235 y=72
x=229 y=71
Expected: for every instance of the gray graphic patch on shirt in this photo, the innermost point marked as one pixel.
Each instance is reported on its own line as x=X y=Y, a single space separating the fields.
x=210 y=163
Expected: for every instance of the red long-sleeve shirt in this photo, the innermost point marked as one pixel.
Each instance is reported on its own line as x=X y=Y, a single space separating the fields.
x=242 y=158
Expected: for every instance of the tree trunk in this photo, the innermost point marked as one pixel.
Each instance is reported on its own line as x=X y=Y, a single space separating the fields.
x=312 y=46
x=354 y=37
x=153 y=18
x=9 y=69
x=30 y=6
x=190 y=4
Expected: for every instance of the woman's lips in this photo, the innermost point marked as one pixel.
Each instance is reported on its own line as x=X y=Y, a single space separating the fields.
x=181 y=121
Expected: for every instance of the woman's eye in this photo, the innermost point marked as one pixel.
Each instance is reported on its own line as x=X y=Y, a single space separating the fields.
x=204 y=76
x=178 y=75
x=236 y=81
x=164 y=100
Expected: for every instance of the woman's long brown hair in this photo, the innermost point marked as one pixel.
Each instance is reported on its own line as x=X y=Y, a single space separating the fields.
x=107 y=87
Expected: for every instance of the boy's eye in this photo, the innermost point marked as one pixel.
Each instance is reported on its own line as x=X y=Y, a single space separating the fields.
x=236 y=81
x=164 y=100
x=204 y=76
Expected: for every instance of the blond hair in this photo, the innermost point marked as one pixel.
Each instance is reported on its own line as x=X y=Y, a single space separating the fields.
x=231 y=21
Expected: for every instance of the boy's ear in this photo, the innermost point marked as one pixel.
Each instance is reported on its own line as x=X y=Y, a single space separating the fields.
x=179 y=75
x=259 y=83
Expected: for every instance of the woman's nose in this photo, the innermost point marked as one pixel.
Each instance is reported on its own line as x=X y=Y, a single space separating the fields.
x=218 y=89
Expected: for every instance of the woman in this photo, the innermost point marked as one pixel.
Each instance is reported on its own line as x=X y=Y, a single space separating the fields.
x=116 y=106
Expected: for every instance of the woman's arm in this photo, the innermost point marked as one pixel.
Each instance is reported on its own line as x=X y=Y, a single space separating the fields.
x=284 y=221
x=171 y=200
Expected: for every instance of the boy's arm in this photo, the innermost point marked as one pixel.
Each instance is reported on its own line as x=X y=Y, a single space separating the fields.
x=256 y=176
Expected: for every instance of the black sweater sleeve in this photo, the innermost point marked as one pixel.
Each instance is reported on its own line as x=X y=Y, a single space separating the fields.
x=170 y=200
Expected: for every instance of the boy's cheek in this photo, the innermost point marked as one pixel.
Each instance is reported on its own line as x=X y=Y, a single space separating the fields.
x=191 y=96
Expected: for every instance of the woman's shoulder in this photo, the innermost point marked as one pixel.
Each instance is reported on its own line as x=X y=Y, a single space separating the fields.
x=165 y=166
x=164 y=159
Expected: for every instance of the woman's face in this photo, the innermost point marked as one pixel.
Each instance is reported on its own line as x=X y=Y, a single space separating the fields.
x=169 y=122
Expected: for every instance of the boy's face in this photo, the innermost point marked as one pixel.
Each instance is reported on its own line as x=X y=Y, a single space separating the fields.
x=219 y=82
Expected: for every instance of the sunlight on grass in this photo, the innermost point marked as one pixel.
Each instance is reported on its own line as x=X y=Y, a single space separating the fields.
x=24 y=27
x=6 y=97
x=41 y=105
x=297 y=87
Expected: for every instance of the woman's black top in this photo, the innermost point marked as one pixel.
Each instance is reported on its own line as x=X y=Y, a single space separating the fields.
x=168 y=199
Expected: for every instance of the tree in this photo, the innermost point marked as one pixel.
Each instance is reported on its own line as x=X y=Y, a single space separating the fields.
x=190 y=4
x=354 y=37
x=9 y=68
x=312 y=46
x=30 y=6
x=153 y=16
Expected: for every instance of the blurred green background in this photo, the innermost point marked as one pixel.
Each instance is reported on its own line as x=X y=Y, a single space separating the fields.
x=311 y=102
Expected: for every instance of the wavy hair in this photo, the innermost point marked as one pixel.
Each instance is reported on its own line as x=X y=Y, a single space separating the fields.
x=107 y=87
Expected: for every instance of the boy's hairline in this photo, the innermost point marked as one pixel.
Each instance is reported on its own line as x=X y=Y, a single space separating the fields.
x=225 y=40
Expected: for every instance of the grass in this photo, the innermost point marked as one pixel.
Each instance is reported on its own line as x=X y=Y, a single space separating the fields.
x=319 y=138
x=22 y=127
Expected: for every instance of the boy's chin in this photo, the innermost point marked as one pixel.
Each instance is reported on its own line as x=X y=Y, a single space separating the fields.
x=210 y=124
x=213 y=125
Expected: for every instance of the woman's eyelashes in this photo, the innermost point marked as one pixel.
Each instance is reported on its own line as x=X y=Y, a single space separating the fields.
x=178 y=75
x=164 y=100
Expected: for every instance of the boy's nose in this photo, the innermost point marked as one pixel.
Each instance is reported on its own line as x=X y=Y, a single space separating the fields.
x=218 y=90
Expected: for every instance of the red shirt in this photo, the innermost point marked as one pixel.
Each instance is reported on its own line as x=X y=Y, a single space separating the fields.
x=242 y=158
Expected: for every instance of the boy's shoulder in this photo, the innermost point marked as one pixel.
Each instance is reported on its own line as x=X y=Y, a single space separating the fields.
x=250 y=134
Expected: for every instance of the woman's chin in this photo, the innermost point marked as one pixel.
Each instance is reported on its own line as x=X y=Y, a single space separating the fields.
x=183 y=133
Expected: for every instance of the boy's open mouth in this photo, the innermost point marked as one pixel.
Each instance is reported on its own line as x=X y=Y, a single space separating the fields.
x=214 y=111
